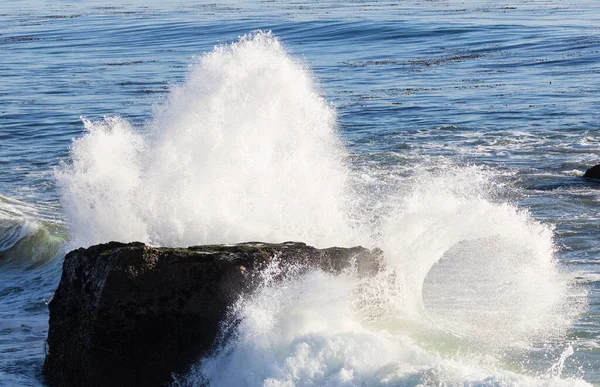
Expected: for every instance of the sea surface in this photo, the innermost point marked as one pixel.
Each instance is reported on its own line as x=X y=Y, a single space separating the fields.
x=452 y=134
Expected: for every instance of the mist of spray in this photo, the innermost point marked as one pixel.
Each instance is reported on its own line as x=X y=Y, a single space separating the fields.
x=245 y=149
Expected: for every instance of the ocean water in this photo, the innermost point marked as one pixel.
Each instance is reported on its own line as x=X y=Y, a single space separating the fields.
x=451 y=134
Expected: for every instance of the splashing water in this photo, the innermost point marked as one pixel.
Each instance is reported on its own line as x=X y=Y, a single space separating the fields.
x=503 y=258
x=246 y=149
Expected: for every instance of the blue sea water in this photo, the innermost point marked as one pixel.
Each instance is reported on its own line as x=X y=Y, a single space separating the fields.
x=496 y=102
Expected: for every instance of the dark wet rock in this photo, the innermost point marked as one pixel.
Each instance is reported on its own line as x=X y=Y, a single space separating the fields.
x=593 y=172
x=131 y=315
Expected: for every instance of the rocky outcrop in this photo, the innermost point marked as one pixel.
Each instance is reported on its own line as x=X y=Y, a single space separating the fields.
x=593 y=172
x=131 y=315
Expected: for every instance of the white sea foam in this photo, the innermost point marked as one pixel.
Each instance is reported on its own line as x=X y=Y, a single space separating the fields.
x=246 y=149
x=310 y=334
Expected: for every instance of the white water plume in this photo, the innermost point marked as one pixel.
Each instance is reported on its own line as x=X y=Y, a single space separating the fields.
x=246 y=149
x=496 y=277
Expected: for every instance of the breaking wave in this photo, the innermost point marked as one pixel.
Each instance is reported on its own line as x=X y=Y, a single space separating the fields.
x=247 y=149
x=29 y=234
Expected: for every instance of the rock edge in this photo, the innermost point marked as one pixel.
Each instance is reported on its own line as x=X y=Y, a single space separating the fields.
x=593 y=172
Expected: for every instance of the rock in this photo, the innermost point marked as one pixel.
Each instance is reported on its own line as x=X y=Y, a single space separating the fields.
x=593 y=172
x=131 y=315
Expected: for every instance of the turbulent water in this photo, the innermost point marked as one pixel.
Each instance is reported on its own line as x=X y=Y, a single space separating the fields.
x=451 y=135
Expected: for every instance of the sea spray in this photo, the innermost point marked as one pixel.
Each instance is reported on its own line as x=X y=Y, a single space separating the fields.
x=492 y=291
x=100 y=187
x=494 y=256
x=246 y=149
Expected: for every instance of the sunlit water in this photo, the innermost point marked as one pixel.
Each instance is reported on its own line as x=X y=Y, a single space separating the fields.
x=453 y=135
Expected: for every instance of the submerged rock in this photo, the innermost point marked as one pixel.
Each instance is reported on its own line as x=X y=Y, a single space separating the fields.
x=593 y=172
x=131 y=315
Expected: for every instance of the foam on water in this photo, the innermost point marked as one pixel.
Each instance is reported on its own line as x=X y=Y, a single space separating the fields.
x=313 y=331
x=246 y=149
